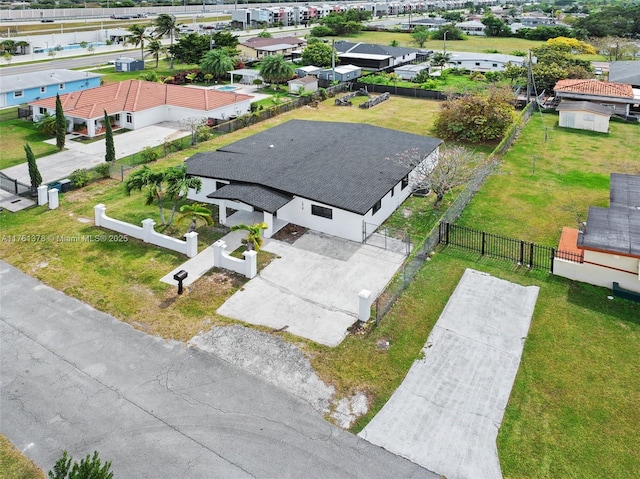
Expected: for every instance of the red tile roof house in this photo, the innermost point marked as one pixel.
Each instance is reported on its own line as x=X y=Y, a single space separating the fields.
x=607 y=250
x=618 y=96
x=136 y=104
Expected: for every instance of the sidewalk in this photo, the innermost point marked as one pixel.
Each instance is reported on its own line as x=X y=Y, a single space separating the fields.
x=78 y=155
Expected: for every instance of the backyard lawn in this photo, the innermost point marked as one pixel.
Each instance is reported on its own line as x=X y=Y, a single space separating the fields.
x=14 y=134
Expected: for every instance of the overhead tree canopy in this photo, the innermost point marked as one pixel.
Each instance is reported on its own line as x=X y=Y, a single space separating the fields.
x=275 y=69
x=190 y=48
x=319 y=54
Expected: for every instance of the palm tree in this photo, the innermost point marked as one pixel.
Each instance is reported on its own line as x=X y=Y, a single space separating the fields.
x=9 y=46
x=195 y=212
x=275 y=69
x=22 y=45
x=146 y=178
x=253 y=240
x=179 y=184
x=166 y=25
x=47 y=124
x=217 y=62
x=440 y=59
x=155 y=48
x=137 y=37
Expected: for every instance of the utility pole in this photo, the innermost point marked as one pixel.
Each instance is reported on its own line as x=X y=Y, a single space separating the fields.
x=529 y=79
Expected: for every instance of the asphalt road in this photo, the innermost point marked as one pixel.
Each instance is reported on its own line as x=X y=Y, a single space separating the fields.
x=68 y=63
x=76 y=379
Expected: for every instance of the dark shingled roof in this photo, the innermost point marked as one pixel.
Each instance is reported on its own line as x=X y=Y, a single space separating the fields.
x=345 y=165
x=344 y=46
x=617 y=228
x=257 y=196
x=625 y=72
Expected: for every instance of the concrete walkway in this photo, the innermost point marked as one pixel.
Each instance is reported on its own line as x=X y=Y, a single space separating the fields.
x=446 y=414
x=79 y=155
x=76 y=379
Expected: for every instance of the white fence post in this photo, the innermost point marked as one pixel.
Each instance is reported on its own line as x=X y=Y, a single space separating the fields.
x=147 y=229
x=53 y=198
x=251 y=263
x=192 y=244
x=42 y=195
x=364 y=310
x=218 y=248
x=98 y=213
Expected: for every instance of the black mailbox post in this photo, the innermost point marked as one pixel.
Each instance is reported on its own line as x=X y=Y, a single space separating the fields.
x=180 y=276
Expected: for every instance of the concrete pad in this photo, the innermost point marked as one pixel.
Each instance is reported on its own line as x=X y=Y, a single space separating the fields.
x=313 y=294
x=446 y=414
x=13 y=202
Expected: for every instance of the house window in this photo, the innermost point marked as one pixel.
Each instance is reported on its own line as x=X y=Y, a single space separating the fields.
x=129 y=118
x=405 y=182
x=117 y=117
x=477 y=64
x=377 y=206
x=322 y=211
x=43 y=89
x=495 y=65
x=42 y=110
x=589 y=118
x=393 y=190
x=18 y=94
x=61 y=86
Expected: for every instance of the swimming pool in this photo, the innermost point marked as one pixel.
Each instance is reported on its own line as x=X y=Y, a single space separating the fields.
x=227 y=88
x=73 y=46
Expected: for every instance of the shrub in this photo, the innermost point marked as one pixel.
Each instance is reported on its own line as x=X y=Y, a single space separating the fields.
x=477 y=76
x=321 y=31
x=79 y=178
x=102 y=170
x=257 y=81
x=149 y=154
x=430 y=84
x=203 y=133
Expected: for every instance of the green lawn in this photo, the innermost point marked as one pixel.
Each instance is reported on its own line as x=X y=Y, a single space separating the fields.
x=14 y=134
x=571 y=173
x=14 y=464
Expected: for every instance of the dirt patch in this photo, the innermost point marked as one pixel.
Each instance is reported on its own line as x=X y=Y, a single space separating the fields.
x=290 y=233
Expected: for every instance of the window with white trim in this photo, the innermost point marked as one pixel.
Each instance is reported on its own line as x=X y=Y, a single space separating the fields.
x=43 y=89
x=18 y=94
x=61 y=86
x=129 y=118
x=405 y=182
x=377 y=206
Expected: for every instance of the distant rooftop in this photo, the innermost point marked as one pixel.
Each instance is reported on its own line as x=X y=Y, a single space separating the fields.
x=25 y=81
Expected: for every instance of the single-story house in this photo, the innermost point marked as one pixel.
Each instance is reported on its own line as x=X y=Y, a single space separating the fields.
x=618 y=96
x=472 y=27
x=306 y=84
x=409 y=72
x=428 y=23
x=336 y=178
x=484 y=62
x=370 y=56
x=584 y=115
x=625 y=72
x=27 y=87
x=257 y=47
x=343 y=73
x=135 y=104
x=307 y=70
x=607 y=250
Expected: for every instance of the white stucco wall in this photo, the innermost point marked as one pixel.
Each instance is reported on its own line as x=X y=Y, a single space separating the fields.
x=596 y=275
x=581 y=121
x=624 y=263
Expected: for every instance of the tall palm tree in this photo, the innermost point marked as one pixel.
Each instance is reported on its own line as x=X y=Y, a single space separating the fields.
x=275 y=69
x=47 y=124
x=9 y=46
x=137 y=37
x=22 y=45
x=166 y=25
x=155 y=48
x=217 y=62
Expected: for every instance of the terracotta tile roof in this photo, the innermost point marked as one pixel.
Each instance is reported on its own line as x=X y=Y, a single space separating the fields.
x=594 y=87
x=138 y=95
x=257 y=42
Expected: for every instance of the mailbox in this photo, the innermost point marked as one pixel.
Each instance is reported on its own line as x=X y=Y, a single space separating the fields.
x=180 y=276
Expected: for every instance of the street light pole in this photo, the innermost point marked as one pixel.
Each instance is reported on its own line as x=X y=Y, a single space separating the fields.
x=444 y=46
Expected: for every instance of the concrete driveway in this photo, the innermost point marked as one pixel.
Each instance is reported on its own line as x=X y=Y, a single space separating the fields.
x=312 y=288
x=76 y=379
x=78 y=155
x=447 y=412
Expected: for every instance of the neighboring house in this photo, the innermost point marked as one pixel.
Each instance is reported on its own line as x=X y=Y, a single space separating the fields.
x=370 y=56
x=307 y=84
x=625 y=72
x=484 y=62
x=409 y=72
x=618 y=96
x=584 y=115
x=336 y=178
x=135 y=104
x=246 y=76
x=308 y=70
x=342 y=73
x=27 y=87
x=472 y=27
x=428 y=23
x=257 y=47
x=608 y=250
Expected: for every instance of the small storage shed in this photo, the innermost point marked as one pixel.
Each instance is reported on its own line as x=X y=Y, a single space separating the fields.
x=584 y=115
x=128 y=65
x=409 y=72
x=306 y=84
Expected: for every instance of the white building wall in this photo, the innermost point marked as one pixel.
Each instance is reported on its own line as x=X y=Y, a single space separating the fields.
x=596 y=275
x=624 y=263
x=584 y=121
